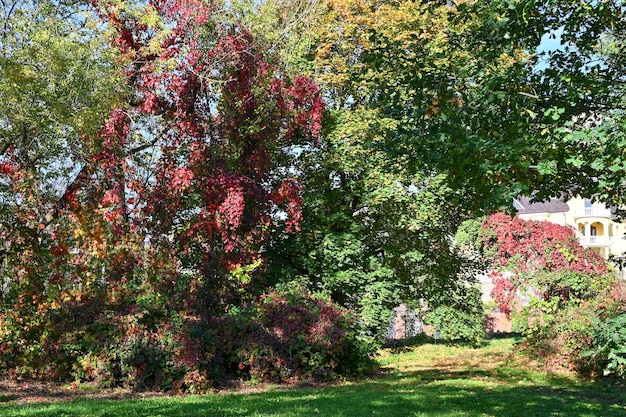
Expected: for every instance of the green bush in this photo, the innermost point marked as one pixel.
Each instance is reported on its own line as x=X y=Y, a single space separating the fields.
x=556 y=333
x=458 y=316
x=609 y=345
x=606 y=352
x=456 y=325
x=587 y=336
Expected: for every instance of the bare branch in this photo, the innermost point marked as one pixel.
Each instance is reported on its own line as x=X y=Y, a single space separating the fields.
x=53 y=213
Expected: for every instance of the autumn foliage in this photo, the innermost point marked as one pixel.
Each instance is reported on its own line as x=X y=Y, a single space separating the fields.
x=541 y=257
x=216 y=122
x=129 y=276
x=158 y=158
x=573 y=303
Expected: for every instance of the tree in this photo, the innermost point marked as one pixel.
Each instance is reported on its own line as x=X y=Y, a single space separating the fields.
x=463 y=89
x=573 y=300
x=171 y=200
x=541 y=259
x=445 y=98
x=379 y=186
x=193 y=156
x=225 y=121
x=57 y=87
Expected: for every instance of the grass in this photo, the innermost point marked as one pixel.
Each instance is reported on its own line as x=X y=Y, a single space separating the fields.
x=423 y=381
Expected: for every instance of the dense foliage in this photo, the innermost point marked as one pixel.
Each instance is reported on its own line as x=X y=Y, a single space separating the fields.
x=454 y=101
x=166 y=165
x=563 y=297
x=291 y=334
x=501 y=98
x=120 y=265
x=463 y=321
x=540 y=259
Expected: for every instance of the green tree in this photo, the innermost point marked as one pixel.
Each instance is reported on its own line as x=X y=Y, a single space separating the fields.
x=453 y=99
x=463 y=89
x=373 y=233
x=58 y=82
x=377 y=224
x=288 y=29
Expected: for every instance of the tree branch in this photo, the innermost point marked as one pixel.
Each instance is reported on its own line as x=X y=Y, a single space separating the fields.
x=53 y=213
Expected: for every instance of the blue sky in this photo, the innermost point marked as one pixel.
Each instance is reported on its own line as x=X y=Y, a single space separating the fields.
x=550 y=42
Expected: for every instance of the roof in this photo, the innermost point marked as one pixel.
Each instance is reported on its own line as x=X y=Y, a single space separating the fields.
x=554 y=205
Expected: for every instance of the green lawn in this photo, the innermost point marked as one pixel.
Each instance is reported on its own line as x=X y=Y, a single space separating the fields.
x=429 y=380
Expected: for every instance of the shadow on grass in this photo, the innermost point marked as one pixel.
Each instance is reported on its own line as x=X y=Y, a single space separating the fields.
x=421 y=393
x=7 y=398
x=505 y=335
x=453 y=389
x=402 y=345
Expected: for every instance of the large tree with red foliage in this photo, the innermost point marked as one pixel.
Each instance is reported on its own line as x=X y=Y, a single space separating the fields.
x=170 y=200
x=214 y=122
x=191 y=165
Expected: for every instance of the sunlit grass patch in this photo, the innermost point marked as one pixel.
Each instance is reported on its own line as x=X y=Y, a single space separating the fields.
x=419 y=381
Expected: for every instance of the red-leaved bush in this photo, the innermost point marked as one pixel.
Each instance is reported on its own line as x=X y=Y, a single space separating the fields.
x=542 y=259
x=575 y=305
x=142 y=343
x=292 y=335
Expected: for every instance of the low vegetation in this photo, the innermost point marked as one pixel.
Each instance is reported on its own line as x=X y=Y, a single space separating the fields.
x=427 y=380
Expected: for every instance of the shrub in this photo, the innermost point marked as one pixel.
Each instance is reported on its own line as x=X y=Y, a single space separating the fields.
x=456 y=325
x=582 y=335
x=452 y=324
x=108 y=343
x=556 y=333
x=576 y=304
x=294 y=334
x=607 y=334
x=460 y=318
x=609 y=345
x=141 y=340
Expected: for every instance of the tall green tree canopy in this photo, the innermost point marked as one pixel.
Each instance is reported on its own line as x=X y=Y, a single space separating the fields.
x=456 y=100
x=461 y=88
